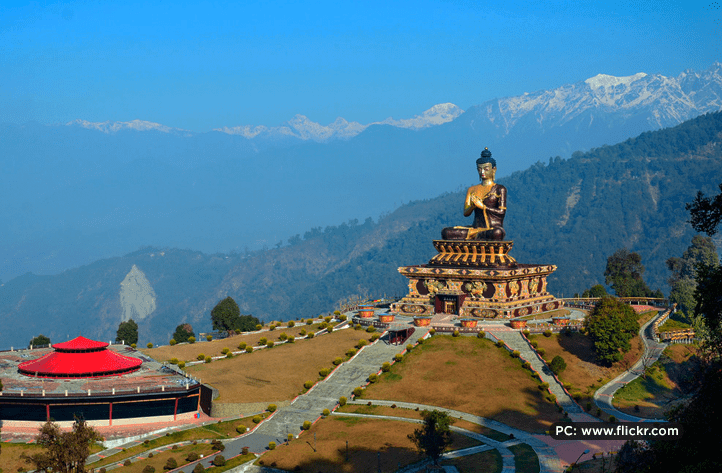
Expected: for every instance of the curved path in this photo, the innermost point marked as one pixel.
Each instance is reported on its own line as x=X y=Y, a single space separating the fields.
x=652 y=351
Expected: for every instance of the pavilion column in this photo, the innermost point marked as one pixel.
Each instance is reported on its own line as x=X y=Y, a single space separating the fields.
x=175 y=409
x=110 y=415
x=47 y=412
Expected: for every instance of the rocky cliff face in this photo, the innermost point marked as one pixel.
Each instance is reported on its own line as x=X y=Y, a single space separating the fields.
x=137 y=297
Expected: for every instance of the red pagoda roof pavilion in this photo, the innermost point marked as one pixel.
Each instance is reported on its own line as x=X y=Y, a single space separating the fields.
x=80 y=358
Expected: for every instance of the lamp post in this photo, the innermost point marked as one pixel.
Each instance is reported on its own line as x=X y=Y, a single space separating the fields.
x=580 y=456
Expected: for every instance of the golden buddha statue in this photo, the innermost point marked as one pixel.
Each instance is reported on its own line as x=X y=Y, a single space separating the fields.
x=487 y=201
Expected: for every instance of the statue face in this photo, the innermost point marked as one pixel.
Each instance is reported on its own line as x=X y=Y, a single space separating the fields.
x=486 y=171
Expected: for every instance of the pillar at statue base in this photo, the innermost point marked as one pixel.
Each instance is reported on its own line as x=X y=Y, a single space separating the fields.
x=476 y=278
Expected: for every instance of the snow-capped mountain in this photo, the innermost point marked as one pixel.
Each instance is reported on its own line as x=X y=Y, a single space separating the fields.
x=664 y=101
x=137 y=125
x=303 y=128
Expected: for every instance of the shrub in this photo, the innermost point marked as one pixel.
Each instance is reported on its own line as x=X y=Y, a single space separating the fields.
x=191 y=339
x=291 y=339
x=361 y=343
x=201 y=357
x=208 y=359
x=242 y=346
x=174 y=361
x=480 y=334
x=306 y=425
x=373 y=377
x=557 y=365
x=309 y=321
x=171 y=464
x=421 y=341
x=358 y=391
x=308 y=384
x=455 y=333
x=209 y=338
x=500 y=343
x=544 y=386
x=371 y=329
x=127 y=463
x=375 y=337
x=612 y=419
x=229 y=355
x=225 y=350
x=238 y=331
x=181 y=364
x=283 y=337
x=217 y=445
x=270 y=344
x=547 y=333
x=526 y=332
x=256 y=419
x=150 y=345
x=328 y=319
x=535 y=344
x=324 y=372
x=398 y=357
x=551 y=397
x=149 y=469
x=323 y=325
x=259 y=327
x=199 y=468
x=336 y=313
x=240 y=428
x=220 y=460
x=386 y=367
x=432 y=331
x=302 y=333
x=271 y=327
x=271 y=445
x=541 y=352
x=310 y=335
x=342 y=401
x=410 y=347
x=515 y=354
x=271 y=408
x=133 y=345
x=329 y=329
x=326 y=413
x=337 y=361
x=172 y=342
x=291 y=324
x=357 y=327
x=342 y=318
x=244 y=451
x=262 y=341
x=526 y=365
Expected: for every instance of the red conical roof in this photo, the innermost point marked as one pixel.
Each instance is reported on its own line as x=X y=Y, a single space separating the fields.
x=80 y=358
x=80 y=343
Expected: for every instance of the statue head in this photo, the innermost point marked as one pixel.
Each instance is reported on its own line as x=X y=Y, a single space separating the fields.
x=486 y=166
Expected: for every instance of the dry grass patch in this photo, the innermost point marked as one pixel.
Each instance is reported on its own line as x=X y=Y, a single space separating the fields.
x=278 y=373
x=470 y=375
x=10 y=455
x=366 y=438
x=583 y=373
x=189 y=351
x=159 y=459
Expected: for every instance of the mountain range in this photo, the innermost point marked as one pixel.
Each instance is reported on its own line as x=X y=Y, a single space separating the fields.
x=572 y=213
x=78 y=192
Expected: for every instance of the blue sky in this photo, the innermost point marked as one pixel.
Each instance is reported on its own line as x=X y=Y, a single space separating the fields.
x=202 y=65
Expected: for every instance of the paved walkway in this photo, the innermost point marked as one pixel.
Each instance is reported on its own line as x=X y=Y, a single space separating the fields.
x=516 y=341
x=604 y=396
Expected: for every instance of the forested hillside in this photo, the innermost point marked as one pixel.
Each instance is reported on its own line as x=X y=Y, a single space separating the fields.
x=572 y=213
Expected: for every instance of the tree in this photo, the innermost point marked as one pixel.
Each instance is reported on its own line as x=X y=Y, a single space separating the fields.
x=624 y=273
x=595 y=291
x=183 y=332
x=128 y=332
x=706 y=212
x=684 y=272
x=40 y=340
x=435 y=434
x=65 y=452
x=611 y=325
x=226 y=316
x=557 y=365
